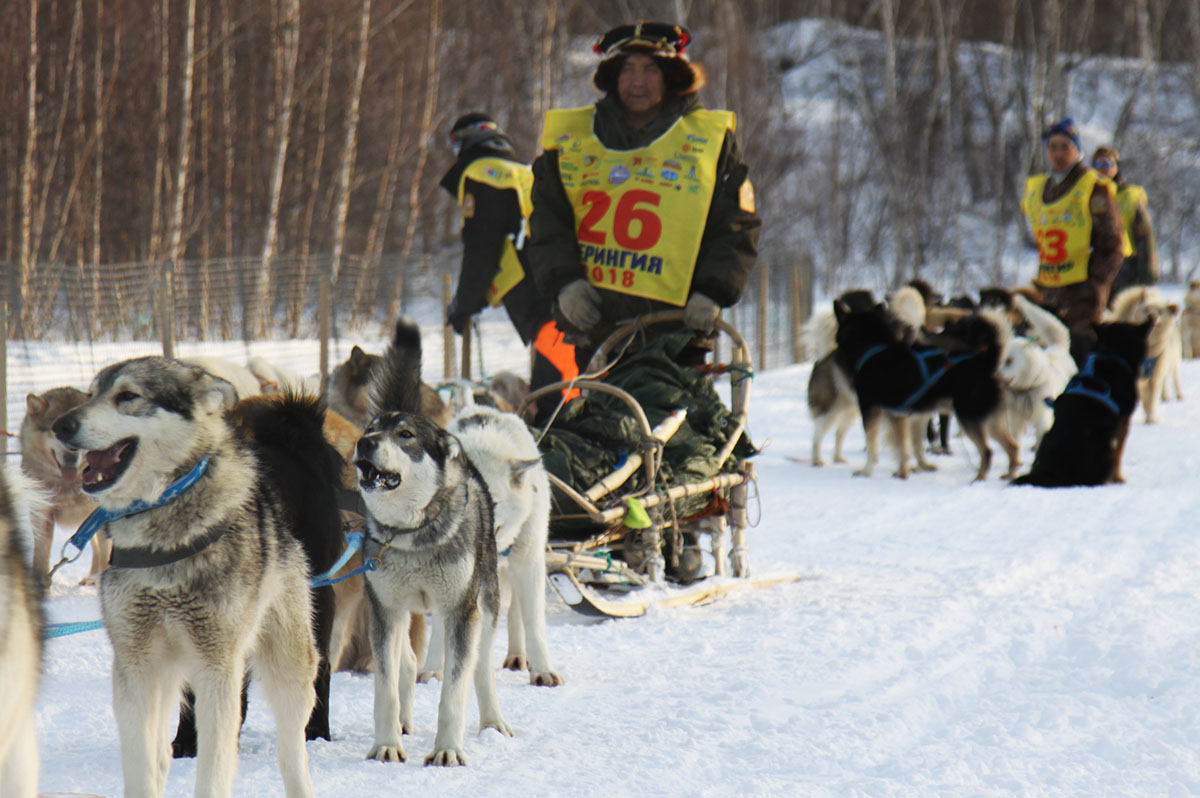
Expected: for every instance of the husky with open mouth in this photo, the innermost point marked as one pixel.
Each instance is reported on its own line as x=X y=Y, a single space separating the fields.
x=205 y=577
x=430 y=528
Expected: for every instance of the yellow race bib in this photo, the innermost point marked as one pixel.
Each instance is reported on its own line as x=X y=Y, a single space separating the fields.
x=639 y=214
x=1129 y=199
x=1063 y=229
x=502 y=174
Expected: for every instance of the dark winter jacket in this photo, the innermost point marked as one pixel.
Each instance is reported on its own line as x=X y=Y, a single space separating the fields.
x=727 y=250
x=495 y=214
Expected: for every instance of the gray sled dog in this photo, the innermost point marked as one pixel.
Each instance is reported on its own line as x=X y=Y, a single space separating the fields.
x=21 y=628
x=202 y=582
x=504 y=452
x=55 y=470
x=430 y=526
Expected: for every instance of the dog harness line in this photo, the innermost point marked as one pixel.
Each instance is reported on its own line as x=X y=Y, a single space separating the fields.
x=354 y=544
x=91 y=525
x=1081 y=384
x=928 y=378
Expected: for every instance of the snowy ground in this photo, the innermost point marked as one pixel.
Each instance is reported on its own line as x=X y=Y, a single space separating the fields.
x=947 y=639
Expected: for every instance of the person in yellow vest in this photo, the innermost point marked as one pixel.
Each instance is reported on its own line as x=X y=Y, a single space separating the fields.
x=492 y=187
x=641 y=201
x=1073 y=213
x=1140 y=266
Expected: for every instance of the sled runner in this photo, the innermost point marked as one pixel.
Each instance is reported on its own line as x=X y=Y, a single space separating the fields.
x=649 y=473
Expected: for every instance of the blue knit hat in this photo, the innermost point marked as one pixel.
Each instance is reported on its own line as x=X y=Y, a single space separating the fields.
x=1063 y=127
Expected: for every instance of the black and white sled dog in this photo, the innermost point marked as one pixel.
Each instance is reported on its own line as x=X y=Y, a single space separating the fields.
x=831 y=399
x=896 y=380
x=430 y=527
x=21 y=629
x=205 y=574
x=1035 y=369
x=506 y=455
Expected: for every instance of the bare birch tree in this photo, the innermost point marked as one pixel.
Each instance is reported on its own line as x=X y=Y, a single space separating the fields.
x=27 y=262
x=286 y=56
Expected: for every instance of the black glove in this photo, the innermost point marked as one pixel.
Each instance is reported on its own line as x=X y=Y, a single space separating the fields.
x=456 y=318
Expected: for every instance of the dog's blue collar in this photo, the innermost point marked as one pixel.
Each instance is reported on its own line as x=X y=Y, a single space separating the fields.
x=91 y=525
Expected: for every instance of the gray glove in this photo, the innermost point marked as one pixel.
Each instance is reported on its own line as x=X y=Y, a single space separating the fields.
x=701 y=313
x=580 y=304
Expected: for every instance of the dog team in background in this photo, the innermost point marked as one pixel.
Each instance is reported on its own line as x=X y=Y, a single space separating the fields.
x=1000 y=366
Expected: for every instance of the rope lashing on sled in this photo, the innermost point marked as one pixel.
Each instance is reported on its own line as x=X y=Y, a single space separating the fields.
x=1086 y=383
x=354 y=544
x=91 y=525
x=928 y=378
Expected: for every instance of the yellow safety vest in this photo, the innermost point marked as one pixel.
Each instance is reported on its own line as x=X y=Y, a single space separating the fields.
x=502 y=174
x=639 y=214
x=1063 y=229
x=1129 y=198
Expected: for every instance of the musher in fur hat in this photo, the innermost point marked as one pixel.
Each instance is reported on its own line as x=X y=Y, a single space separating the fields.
x=1140 y=266
x=641 y=201
x=1073 y=213
x=492 y=188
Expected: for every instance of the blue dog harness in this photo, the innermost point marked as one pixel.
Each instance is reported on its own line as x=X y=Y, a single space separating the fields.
x=1086 y=383
x=91 y=525
x=929 y=376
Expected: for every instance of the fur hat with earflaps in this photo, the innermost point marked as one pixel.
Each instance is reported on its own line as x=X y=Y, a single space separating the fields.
x=666 y=43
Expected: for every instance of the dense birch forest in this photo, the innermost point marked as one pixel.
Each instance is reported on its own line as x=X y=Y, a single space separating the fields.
x=230 y=152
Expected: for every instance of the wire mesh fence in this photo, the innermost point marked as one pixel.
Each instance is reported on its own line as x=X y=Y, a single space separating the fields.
x=68 y=321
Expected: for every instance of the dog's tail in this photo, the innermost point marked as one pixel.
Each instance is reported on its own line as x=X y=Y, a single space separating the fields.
x=396 y=384
x=1047 y=328
x=820 y=335
x=288 y=432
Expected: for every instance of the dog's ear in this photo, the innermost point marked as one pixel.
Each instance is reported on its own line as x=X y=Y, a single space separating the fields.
x=840 y=309
x=358 y=358
x=212 y=393
x=35 y=405
x=519 y=468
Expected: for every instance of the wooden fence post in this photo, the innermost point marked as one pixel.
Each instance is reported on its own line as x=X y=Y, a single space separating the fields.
x=324 y=324
x=797 y=321
x=764 y=301
x=166 y=309
x=447 y=332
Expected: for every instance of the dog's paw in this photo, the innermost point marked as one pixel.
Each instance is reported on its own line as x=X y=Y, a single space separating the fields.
x=388 y=753
x=546 y=679
x=516 y=662
x=424 y=677
x=902 y=474
x=840 y=459
x=499 y=725
x=863 y=472
x=817 y=462
x=446 y=758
